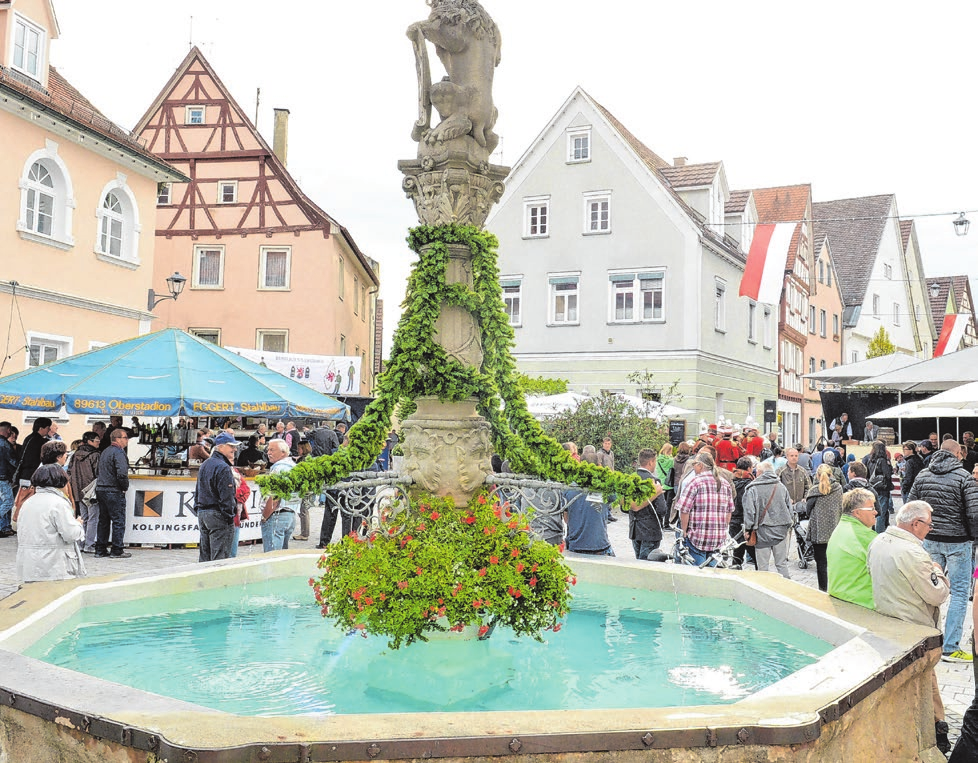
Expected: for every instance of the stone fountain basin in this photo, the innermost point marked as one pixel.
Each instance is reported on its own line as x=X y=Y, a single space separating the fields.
x=869 y=696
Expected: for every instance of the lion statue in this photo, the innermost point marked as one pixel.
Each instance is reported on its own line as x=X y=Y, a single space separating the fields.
x=468 y=44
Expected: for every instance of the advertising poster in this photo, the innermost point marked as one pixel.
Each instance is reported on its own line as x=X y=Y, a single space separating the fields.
x=158 y=511
x=331 y=375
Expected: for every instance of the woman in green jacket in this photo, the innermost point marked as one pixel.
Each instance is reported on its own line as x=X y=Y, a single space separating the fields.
x=849 y=578
x=663 y=468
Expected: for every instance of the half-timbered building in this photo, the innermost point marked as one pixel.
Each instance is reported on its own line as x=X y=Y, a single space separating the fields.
x=266 y=267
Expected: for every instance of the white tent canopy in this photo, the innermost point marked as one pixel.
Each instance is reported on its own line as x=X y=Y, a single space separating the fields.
x=542 y=406
x=935 y=375
x=864 y=369
x=963 y=399
x=919 y=410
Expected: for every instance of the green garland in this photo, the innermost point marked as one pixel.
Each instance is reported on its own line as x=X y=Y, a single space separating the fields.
x=420 y=367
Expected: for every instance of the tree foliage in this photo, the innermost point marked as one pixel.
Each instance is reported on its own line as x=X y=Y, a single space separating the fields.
x=880 y=345
x=605 y=414
x=538 y=385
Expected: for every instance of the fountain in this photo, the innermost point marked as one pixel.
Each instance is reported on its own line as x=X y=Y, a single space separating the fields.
x=868 y=698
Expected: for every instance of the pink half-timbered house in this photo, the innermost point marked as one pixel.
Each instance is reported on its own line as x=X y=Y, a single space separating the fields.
x=266 y=267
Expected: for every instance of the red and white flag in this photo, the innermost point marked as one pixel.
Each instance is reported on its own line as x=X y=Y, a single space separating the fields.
x=764 y=274
x=952 y=332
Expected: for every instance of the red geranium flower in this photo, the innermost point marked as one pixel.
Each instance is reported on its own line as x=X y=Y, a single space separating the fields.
x=519 y=566
x=493 y=560
x=435 y=515
x=483 y=630
x=482 y=572
x=515 y=553
x=533 y=581
x=470 y=520
x=402 y=584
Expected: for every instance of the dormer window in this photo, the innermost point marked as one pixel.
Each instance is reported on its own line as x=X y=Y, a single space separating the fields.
x=195 y=115
x=28 y=48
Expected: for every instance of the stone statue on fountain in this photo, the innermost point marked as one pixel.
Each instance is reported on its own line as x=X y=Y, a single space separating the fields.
x=447 y=444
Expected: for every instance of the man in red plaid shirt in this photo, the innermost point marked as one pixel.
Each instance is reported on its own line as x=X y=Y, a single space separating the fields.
x=705 y=505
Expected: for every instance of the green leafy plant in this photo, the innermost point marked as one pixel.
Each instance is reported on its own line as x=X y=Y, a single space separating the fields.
x=880 y=345
x=437 y=567
x=595 y=417
x=538 y=385
x=420 y=367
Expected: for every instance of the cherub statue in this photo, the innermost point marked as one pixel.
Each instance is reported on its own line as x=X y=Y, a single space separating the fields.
x=468 y=43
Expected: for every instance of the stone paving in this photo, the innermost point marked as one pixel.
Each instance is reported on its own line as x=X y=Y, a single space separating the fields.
x=956 y=680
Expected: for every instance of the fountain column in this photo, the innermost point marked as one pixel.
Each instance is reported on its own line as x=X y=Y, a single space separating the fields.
x=447 y=445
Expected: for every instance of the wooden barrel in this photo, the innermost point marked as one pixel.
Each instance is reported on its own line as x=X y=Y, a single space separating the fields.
x=887 y=435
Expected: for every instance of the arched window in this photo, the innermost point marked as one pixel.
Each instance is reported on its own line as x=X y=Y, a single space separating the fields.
x=118 y=225
x=40 y=200
x=110 y=235
x=46 y=202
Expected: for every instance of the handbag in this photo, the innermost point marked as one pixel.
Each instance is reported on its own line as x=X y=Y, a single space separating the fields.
x=22 y=495
x=88 y=493
x=750 y=536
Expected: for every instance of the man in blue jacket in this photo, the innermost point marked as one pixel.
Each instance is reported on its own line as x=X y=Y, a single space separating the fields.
x=214 y=500
x=110 y=491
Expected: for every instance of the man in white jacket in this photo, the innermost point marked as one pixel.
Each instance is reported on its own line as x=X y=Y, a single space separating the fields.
x=908 y=584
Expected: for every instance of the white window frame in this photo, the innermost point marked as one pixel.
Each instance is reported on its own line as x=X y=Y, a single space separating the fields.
x=823 y=323
x=128 y=218
x=195 y=277
x=876 y=305
x=835 y=325
x=751 y=321
x=811 y=370
x=164 y=194
x=720 y=305
x=855 y=357
x=206 y=333
x=227 y=184
x=768 y=337
x=811 y=319
x=574 y=155
x=896 y=313
x=651 y=276
x=592 y=198
x=341 y=277
x=356 y=294
x=29 y=27
x=64 y=345
x=887 y=271
x=536 y=217
x=563 y=279
x=363 y=302
x=513 y=300
x=189 y=112
x=63 y=193
x=262 y=334
x=263 y=268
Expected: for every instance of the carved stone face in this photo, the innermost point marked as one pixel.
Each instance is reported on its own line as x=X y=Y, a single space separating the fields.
x=451 y=459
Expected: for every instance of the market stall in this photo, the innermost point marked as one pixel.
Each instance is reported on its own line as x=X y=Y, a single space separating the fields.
x=159 y=377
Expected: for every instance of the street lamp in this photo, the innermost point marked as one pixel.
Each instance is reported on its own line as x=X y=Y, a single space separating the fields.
x=174 y=284
x=961 y=225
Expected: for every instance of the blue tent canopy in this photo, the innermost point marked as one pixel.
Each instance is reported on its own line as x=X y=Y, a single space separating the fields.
x=167 y=373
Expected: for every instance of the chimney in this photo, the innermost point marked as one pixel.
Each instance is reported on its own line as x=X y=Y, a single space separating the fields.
x=679 y=161
x=280 y=140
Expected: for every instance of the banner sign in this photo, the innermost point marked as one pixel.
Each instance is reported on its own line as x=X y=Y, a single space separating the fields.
x=158 y=511
x=331 y=375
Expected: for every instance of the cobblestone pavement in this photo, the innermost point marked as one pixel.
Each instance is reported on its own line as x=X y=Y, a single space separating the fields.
x=956 y=680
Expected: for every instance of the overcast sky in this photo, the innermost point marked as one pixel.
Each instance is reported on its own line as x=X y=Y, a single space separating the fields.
x=857 y=98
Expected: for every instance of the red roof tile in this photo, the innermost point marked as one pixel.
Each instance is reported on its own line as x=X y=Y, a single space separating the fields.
x=854 y=228
x=906 y=228
x=787 y=203
x=737 y=202
x=691 y=175
x=62 y=98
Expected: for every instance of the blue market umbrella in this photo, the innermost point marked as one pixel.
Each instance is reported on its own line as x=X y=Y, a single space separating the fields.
x=167 y=373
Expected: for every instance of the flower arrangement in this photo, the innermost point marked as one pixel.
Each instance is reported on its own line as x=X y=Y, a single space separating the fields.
x=436 y=567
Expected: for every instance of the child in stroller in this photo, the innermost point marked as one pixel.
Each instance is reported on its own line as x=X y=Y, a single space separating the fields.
x=806 y=549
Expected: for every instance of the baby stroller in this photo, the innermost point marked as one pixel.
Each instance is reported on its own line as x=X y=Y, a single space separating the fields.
x=806 y=549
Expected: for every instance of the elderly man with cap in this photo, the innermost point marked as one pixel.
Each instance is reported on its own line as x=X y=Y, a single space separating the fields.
x=214 y=500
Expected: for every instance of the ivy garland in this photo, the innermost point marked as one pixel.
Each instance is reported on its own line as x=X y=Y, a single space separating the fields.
x=420 y=367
